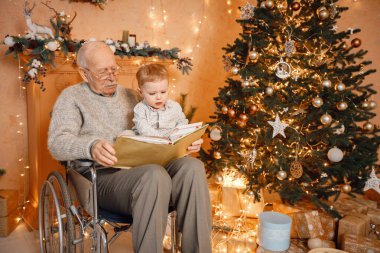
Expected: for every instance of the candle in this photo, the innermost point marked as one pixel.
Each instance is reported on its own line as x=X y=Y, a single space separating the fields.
x=125 y=36
x=132 y=40
x=274 y=231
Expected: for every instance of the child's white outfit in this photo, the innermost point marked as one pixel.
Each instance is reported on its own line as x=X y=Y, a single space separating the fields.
x=158 y=122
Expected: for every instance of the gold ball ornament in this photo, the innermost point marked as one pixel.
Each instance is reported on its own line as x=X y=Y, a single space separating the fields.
x=372 y=104
x=253 y=55
x=326 y=83
x=235 y=70
x=326 y=119
x=241 y=123
x=296 y=169
x=243 y=117
x=368 y=126
x=253 y=109
x=224 y=109
x=219 y=178
x=269 y=4
x=356 y=42
x=323 y=13
x=269 y=91
x=365 y=104
x=217 y=155
x=281 y=175
x=262 y=4
x=344 y=46
x=346 y=188
x=245 y=84
x=340 y=87
x=341 y=106
x=295 y=6
x=317 y=102
x=231 y=113
x=250 y=193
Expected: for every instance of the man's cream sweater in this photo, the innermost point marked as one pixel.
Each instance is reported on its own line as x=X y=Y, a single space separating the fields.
x=80 y=117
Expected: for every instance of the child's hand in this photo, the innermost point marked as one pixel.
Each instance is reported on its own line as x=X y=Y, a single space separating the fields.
x=195 y=146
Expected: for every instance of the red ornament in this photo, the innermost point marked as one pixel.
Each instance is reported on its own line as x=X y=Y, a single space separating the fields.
x=295 y=6
x=356 y=42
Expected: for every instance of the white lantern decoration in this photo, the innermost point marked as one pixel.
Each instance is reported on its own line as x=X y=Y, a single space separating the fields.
x=335 y=155
x=282 y=69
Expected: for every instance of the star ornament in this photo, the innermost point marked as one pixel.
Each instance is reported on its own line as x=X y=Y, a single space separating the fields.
x=247 y=11
x=278 y=126
x=373 y=182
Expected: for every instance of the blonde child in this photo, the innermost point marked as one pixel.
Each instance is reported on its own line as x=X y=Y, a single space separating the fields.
x=156 y=115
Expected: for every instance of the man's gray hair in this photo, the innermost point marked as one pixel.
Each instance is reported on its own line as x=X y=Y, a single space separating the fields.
x=86 y=50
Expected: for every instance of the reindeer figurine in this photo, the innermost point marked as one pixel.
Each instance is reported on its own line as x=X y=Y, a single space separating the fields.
x=35 y=29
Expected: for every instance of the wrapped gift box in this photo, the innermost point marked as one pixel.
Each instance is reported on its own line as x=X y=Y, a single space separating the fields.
x=8 y=223
x=8 y=201
x=8 y=211
x=328 y=225
x=360 y=244
x=353 y=224
x=374 y=215
x=306 y=224
x=298 y=246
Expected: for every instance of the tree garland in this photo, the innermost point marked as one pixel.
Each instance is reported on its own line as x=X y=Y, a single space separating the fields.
x=40 y=50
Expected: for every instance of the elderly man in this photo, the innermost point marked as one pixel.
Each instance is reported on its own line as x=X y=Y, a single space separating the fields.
x=85 y=121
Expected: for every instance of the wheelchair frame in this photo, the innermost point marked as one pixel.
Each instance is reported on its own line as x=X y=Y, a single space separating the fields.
x=59 y=215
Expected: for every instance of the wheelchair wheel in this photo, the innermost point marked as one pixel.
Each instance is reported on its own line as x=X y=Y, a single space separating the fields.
x=56 y=224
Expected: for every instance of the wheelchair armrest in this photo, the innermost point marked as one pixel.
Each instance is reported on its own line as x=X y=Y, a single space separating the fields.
x=79 y=163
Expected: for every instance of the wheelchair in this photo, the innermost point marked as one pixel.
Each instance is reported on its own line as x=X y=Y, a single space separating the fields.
x=68 y=214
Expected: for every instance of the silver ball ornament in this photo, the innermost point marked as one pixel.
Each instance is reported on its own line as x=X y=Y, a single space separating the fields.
x=250 y=193
x=262 y=4
x=269 y=4
x=372 y=104
x=281 y=175
x=341 y=106
x=340 y=87
x=235 y=70
x=269 y=91
x=219 y=178
x=368 y=126
x=346 y=188
x=365 y=104
x=317 y=102
x=253 y=55
x=245 y=84
x=335 y=155
x=216 y=133
x=326 y=83
x=326 y=119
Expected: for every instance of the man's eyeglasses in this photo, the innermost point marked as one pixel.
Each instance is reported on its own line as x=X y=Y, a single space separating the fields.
x=104 y=74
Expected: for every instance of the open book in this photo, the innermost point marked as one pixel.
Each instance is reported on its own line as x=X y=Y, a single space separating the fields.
x=136 y=150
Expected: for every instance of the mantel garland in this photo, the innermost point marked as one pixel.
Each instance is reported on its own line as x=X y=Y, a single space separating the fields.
x=40 y=50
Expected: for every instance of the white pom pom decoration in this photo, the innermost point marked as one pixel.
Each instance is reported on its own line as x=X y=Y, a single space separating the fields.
x=335 y=155
x=52 y=45
x=9 y=41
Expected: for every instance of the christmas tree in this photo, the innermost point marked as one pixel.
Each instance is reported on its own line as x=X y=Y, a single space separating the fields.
x=295 y=115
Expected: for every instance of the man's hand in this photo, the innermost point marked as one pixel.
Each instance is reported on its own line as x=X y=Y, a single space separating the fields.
x=195 y=146
x=103 y=153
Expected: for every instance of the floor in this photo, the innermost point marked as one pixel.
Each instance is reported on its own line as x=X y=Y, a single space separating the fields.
x=23 y=241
